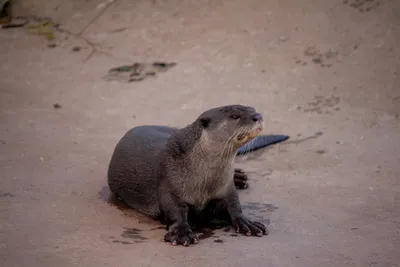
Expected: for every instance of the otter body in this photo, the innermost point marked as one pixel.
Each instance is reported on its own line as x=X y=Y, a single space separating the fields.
x=134 y=169
x=169 y=173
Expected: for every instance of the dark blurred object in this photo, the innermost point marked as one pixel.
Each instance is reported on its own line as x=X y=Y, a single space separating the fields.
x=5 y=11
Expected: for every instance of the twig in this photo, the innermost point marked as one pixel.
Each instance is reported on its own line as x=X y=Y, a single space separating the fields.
x=92 y=45
x=79 y=35
x=110 y=2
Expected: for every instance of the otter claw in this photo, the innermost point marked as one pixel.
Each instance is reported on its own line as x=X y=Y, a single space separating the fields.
x=262 y=227
x=181 y=235
x=248 y=227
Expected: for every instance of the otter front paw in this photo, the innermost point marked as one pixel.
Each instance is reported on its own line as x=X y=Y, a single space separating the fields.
x=247 y=227
x=181 y=235
x=240 y=179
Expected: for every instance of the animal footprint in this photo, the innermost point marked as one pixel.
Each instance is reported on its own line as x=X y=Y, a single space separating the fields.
x=324 y=59
x=134 y=234
x=137 y=71
x=258 y=211
x=362 y=5
x=322 y=105
x=259 y=207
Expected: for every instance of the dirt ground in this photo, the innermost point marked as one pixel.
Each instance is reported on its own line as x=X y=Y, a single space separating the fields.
x=323 y=72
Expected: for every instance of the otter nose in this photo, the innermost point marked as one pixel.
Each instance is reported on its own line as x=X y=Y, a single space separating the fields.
x=257 y=117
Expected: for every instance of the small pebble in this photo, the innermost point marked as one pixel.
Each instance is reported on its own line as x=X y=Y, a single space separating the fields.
x=283 y=38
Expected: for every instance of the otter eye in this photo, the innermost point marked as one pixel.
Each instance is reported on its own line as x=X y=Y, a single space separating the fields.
x=205 y=122
x=235 y=117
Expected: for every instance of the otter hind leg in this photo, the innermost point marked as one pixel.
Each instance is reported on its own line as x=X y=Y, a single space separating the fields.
x=240 y=179
x=143 y=204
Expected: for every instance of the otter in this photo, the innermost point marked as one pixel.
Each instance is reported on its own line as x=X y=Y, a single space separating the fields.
x=184 y=176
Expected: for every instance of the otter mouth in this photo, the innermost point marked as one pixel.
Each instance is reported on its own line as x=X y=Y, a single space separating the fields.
x=258 y=130
x=250 y=134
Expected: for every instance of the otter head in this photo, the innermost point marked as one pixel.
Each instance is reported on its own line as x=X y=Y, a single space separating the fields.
x=231 y=126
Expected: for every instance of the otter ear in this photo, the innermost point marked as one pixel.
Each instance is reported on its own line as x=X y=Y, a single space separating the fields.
x=204 y=122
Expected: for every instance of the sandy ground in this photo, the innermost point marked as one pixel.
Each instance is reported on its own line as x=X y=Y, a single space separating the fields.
x=323 y=72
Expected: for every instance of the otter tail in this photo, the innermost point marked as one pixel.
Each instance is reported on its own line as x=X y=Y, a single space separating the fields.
x=260 y=142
